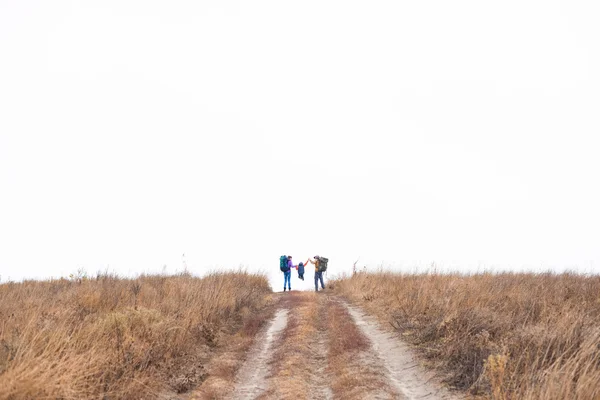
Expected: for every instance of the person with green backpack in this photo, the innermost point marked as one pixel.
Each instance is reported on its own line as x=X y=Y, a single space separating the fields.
x=320 y=264
x=286 y=265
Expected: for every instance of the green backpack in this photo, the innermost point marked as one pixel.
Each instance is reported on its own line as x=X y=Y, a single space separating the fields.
x=283 y=264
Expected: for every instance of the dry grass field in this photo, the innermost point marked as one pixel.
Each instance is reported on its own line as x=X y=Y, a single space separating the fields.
x=111 y=338
x=499 y=336
x=504 y=336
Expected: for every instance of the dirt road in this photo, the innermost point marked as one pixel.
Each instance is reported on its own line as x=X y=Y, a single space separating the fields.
x=319 y=347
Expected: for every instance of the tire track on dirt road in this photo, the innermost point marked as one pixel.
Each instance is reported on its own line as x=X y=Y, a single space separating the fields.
x=401 y=367
x=251 y=380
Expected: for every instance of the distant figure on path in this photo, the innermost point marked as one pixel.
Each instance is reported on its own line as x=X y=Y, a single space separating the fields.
x=286 y=267
x=318 y=271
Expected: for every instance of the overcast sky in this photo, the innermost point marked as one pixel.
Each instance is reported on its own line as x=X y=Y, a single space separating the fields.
x=461 y=133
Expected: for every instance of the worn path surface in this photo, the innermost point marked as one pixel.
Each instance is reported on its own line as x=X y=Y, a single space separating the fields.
x=251 y=379
x=301 y=354
x=401 y=367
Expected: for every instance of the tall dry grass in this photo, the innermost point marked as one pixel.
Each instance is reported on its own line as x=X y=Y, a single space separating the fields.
x=111 y=338
x=506 y=336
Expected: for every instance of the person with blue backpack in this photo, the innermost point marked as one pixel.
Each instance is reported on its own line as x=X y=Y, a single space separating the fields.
x=286 y=265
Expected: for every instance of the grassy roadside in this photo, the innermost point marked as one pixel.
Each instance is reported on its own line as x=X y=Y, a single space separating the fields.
x=506 y=336
x=117 y=338
x=224 y=362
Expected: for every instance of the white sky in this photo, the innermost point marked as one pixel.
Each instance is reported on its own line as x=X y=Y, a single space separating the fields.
x=464 y=133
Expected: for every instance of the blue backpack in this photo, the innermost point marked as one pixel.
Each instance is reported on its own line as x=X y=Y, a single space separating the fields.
x=283 y=264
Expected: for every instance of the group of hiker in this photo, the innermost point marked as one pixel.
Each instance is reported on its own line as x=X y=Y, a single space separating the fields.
x=286 y=265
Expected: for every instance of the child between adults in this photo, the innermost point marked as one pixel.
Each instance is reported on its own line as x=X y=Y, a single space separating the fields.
x=287 y=274
x=300 y=269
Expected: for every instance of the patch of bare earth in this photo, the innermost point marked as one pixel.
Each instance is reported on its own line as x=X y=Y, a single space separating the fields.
x=400 y=366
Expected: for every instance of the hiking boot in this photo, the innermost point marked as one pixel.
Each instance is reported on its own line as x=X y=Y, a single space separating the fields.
x=284 y=289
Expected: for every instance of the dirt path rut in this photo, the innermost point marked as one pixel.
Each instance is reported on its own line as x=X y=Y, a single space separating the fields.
x=400 y=365
x=251 y=379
